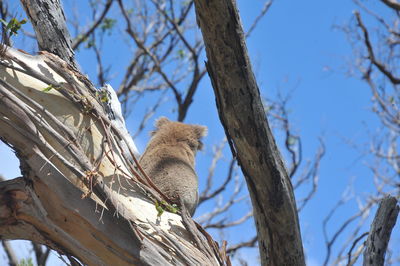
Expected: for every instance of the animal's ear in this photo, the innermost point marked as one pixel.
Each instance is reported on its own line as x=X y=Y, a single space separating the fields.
x=162 y=121
x=201 y=131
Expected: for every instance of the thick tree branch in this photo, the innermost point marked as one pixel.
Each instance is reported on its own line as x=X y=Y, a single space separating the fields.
x=79 y=194
x=381 y=229
x=392 y=4
x=242 y=115
x=48 y=21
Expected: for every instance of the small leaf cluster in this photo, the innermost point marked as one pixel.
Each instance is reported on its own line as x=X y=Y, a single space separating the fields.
x=163 y=205
x=103 y=96
x=50 y=87
x=26 y=262
x=108 y=24
x=13 y=26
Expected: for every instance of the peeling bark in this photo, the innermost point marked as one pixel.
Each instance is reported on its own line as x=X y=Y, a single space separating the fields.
x=79 y=194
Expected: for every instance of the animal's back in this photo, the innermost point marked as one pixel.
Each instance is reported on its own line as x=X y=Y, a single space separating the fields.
x=169 y=160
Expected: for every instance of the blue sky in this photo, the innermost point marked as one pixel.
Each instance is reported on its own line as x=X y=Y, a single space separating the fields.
x=295 y=46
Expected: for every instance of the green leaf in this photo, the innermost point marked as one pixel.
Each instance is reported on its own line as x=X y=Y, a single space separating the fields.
x=89 y=44
x=129 y=11
x=163 y=205
x=181 y=54
x=49 y=88
x=13 y=26
x=103 y=96
x=159 y=209
x=26 y=262
x=104 y=99
x=108 y=24
x=172 y=208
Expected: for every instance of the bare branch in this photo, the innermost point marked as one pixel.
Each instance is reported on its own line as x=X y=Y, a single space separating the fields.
x=5 y=38
x=251 y=243
x=392 y=4
x=222 y=224
x=83 y=36
x=12 y=258
x=40 y=254
x=374 y=60
x=352 y=259
x=221 y=208
x=206 y=195
x=48 y=21
x=381 y=229
x=264 y=10
x=217 y=155
x=313 y=174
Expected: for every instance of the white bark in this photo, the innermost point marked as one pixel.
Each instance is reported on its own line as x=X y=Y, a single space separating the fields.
x=68 y=148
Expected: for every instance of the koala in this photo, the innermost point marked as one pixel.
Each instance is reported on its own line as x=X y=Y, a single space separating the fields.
x=169 y=160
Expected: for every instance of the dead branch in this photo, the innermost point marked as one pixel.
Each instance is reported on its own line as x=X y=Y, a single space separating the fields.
x=12 y=258
x=85 y=35
x=250 y=243
x=381 y=229
x=243 y=117
x=41 y=253
x=263 y=11
x=52 y=36
x=392 y=3
x=351 y=259
x=372 y=57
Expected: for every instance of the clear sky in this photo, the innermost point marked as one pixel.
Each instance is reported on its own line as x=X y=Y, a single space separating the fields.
x=295 y=47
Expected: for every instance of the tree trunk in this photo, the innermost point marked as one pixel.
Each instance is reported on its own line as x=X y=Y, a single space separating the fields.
x=381 y=229
x=48 y=21
x=242 y=114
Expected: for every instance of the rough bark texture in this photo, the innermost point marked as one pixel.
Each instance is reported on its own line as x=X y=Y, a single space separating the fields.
x=48 y=21
x=242 y=115
x=381 y=229
x=79 y=194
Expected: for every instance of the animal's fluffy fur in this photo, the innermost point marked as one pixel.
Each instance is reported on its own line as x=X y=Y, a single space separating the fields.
x=169 y=160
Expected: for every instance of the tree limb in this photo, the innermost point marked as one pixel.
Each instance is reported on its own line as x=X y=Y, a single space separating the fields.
x=79 y=195
x=48 y=21
x=12 y=258
x=392 y=4
x=83 y=36
x=242 y=114
x=381 y=229
x=382 y=68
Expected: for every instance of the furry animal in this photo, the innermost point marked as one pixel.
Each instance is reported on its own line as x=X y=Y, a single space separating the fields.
x=169 y=160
